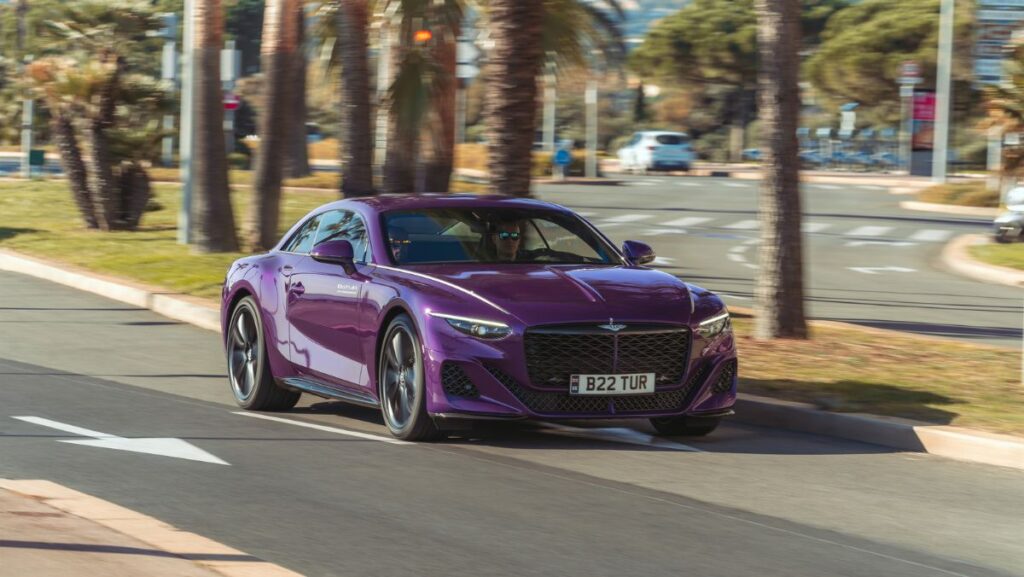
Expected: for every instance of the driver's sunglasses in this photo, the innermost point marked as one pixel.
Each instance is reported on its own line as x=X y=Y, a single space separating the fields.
x=506 y=235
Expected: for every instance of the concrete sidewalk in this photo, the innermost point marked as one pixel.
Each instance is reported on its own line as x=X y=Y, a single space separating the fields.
x=53 y=531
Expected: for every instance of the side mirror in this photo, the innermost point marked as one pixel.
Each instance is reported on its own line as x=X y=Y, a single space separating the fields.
x=637 y=252
x=335 y=252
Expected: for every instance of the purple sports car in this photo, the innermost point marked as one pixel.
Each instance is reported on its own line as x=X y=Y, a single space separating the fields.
x=443 y=308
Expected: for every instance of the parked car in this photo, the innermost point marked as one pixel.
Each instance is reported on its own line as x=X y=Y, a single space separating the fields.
x=439 y=309
x=1008 y=226
x=751 y=154
x=655 y=150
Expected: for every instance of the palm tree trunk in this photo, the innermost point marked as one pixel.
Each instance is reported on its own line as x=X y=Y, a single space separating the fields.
x=104 y=187
x=356 y=136
x=779 y=293
x=401 y=157
x=512 y=92
x=74 y=166
x=280 y=38
x=442 y=134
x=214 y=229
x=296 y=161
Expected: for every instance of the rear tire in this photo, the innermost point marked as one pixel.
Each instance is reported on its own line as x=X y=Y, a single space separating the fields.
x=685 y=426
x=401 y=383
x=252 y=383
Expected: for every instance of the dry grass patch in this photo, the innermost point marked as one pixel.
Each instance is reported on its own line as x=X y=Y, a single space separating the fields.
x=974 y=193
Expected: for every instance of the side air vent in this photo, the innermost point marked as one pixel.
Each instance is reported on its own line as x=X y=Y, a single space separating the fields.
x=457 y=383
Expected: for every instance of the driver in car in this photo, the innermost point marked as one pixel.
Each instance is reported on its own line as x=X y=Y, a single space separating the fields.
x=399 y=244
x=506 y=237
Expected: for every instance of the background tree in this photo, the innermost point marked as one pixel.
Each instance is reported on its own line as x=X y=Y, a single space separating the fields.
x=708 y=50
x=779 y=293
x=296 y=160
x=214 y=229
x=243 y=19
x=863 y=46
x=279 y=43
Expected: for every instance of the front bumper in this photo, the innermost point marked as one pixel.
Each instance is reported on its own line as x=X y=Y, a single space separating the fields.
x=479 y=379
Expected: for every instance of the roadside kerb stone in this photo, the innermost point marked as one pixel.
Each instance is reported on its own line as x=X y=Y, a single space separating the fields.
x=951 y=442
x=957 y=258
x=949 y=208
x=945 y=441
x=196 y=549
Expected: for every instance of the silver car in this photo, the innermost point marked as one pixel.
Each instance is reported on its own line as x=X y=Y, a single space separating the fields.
x=656 y=150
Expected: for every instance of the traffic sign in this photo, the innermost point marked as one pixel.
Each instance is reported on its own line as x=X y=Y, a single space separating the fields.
x=231 y=101
x=910 y=69
x=562 y=157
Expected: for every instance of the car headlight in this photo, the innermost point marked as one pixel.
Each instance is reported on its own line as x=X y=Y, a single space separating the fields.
x=715 y=325
x=476 y=327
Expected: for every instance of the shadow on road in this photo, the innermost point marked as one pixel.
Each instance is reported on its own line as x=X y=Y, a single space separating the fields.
x=7 y=232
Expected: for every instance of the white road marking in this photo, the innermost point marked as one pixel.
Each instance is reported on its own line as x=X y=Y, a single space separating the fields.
x=687 y=221
x=826 y=186
x=661 y=231
x=162 y=446
x=644 y=183
x=931 y=235
x=880 y=243
x=586 y=213
x=750 y=241
x=737 y=297
x=870 y=187
x=743 y=225
x=685 y=183
x=869 y=231
x=740 y=248
x=880 y=269
x=662 y=261
x=619 y=435
x=325 y=428
x=629 y=218
x=736 y=257
x=735 y=185
x=814 y=226
x=750 y=265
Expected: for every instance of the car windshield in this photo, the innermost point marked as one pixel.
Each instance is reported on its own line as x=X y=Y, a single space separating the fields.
x=671 y=139
x=493 y=235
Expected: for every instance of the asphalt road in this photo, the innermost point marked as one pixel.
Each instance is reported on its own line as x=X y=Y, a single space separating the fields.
x=867 y=261
x=520 y=500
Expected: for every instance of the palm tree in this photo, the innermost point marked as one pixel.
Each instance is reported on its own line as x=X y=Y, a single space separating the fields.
x=214 y=229
x=344 y=41
x=1005 y=105
x=297 y=152
x=779 y=303
x=280 y=41
x=516 y=28
x=441 y=142
x=93 y=94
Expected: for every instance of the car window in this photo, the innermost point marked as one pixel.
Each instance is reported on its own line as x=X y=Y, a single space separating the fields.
x=345 y=225
x=671 y=139
x=493 y=235
x=302 y=241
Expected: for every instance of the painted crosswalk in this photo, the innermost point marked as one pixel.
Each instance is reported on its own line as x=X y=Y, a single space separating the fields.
x=648 y=224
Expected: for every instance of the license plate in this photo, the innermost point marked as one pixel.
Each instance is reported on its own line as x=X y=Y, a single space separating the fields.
x=627 y=384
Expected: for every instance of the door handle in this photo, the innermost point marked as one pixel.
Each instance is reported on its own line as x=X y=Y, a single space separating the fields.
x=297 y=289
x=287 y=270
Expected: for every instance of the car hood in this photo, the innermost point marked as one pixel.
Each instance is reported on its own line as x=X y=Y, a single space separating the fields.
x=548 y=294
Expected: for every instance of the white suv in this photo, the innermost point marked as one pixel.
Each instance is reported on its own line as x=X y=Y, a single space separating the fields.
x=656 y=151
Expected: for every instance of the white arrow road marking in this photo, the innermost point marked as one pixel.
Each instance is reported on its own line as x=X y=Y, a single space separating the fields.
x=880 y=269
x=688 y=221
x=931 y=235
x=869 y=231
x=743 y=225
x=325 y=428
x=814 y=226
x=618 y=435
x=880 y=243
x=165 y=447
x=628 y=218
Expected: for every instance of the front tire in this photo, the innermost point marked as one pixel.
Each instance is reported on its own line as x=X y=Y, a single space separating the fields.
x=252 y=383
x=685 y=426
x=402 y=383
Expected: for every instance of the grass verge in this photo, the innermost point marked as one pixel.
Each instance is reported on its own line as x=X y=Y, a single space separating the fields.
x=839 y=369
x=975 y=193
x=1008 y=255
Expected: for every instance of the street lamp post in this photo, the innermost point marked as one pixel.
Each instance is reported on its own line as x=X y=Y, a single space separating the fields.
x=940 y=154
x=186 y=136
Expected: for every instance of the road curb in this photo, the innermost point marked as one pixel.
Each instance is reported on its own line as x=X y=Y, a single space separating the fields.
x=957 y=258
x=949 y=208
x=952 y=442
x=176 y=306
x=191 y=547
x=942 y=440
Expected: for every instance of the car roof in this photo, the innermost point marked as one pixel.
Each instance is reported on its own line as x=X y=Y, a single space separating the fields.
x=388 y=202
